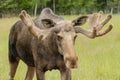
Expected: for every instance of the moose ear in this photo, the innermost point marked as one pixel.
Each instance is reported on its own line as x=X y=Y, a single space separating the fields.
x=80 y=20
x=48 y=23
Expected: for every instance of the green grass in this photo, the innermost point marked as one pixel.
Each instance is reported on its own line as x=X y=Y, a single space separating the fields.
x=99 y=58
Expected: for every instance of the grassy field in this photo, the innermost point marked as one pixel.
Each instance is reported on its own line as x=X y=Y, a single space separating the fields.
x=99 y=59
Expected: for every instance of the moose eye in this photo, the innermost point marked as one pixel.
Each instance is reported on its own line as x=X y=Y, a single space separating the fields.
x=59 y=38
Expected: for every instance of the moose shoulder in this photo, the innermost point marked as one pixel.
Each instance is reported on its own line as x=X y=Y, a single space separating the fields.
x=47 y=42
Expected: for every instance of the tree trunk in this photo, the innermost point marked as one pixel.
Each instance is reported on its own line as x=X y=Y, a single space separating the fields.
x=118 y=6
x=111 y=11
x=35 y=10
x=54 y=6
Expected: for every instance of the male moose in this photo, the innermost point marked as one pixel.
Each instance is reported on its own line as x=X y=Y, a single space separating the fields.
x=47 y=42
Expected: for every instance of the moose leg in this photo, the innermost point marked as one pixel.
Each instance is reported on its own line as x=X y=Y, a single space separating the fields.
x=40 y=74
x=65 y=74
x=30 y=73
x=13 y=68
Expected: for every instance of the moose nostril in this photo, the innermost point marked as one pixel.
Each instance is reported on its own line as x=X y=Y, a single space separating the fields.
x=73 y=62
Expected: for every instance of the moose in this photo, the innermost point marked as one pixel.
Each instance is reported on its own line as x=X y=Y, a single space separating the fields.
x=47 y=42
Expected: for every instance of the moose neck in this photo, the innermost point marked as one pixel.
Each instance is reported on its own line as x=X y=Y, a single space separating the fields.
x=51 y=44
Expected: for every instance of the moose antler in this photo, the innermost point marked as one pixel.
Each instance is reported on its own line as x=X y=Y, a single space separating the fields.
x=26 y=19
x=95 y=25
x=41 y=34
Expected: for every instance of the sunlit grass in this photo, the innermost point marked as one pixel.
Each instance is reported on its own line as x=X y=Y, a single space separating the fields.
x=99 y=58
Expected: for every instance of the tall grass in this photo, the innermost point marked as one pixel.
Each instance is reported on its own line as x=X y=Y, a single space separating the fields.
x=99 y=58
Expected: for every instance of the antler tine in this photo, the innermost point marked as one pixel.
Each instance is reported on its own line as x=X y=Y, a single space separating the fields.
x=27 y=20
x=95 y=25
x=105 y=31
x=94 y=19
x=102 y=23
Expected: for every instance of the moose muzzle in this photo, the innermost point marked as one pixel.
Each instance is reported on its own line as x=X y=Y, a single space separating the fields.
x=71 y=61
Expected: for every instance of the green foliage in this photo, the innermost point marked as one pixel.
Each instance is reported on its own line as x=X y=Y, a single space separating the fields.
x=61 y=6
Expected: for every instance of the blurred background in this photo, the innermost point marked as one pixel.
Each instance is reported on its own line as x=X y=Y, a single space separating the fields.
x=64 y=7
